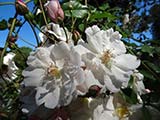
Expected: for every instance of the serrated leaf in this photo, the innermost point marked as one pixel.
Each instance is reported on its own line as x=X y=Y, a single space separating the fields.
x=3 y=24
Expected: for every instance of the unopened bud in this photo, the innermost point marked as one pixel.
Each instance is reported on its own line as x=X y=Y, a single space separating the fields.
x=126 y=19
x=76 y=36
x=21 y=7
x=54 y=11
x=13 y=39
x=94 y=90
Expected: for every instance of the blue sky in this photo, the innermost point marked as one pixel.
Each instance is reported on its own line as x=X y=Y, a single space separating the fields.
x=26 y=33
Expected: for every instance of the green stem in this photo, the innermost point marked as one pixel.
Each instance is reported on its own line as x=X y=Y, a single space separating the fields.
x=26 y=41
x=8 y=37
x=65 y=32
x=86 y=2
x=33 y=29
x=7 y=3
x=44 y=16
x=154 y=74
x=44 y=34
x=27 y=1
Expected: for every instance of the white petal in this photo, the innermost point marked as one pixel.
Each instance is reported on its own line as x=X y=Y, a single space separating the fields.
x=8 y=58
x=94 y=36
x=43 y=54
x=127 y=62
x=60 y=50
x=120 y=74
x=34 y=62
x=42 y=37
x=117 y=47
x=90 y=79
x=59 y=32
x=82 y=50
x=109 y=104
x=50 y=100
x=75 y=58
x=101 y=114
x=139 y=87
x=110 y=86
x=33 y=77
x=40 y=58
x=92 y=30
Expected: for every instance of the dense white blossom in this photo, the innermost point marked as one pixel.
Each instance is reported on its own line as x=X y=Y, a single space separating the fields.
x=55 y=72
x=105 y=55
x=10 y=72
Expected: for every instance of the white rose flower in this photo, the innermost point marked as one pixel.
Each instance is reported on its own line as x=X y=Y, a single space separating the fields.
x=11 y=67
x=138 y=85
x=56 y=32
x=55 y=72
x=111 y=110
x=105 y=55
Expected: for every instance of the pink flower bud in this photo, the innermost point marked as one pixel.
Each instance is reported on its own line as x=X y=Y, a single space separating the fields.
x=55 y=11
x=21 y=7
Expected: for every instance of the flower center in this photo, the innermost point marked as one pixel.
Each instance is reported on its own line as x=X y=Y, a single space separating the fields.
x=105 y=58
x=54 y=71
x=122 y=112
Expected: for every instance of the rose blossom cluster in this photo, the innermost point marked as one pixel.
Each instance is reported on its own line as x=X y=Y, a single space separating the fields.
x=60 y=72
x=65 y=74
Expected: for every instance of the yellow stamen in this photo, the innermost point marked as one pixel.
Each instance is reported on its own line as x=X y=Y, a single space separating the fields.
x=54 y=72
x=105 y=58
x=122 y=112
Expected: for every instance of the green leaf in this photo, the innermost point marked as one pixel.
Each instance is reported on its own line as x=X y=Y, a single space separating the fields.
x=100 y=15
x=147 y=74
x=3 y=24
x=121 y=31
x=147 y=49
x=81 y=27
x=130 y=95
x=75 y=9
x=153 y=66
x=35 y=1
x=104 y=7
x=157 y=49
x=21 y=57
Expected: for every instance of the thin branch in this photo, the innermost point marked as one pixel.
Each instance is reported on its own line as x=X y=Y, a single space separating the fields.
x=7 y=3
x=33 y=29
x=44 y=16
